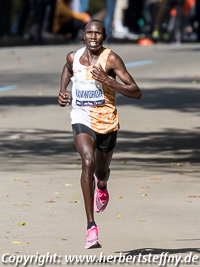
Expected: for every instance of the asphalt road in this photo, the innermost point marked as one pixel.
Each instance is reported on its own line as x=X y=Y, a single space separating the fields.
x=154 y=184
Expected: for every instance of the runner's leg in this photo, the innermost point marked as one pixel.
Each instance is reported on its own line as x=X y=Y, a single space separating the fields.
x=86 y=146
x=102 y=170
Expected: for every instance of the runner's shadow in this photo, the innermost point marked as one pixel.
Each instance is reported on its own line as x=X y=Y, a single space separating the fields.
x=172 y=98
x=153 y=251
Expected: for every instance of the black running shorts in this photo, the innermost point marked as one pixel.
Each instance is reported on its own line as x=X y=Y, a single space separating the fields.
x=104 y=142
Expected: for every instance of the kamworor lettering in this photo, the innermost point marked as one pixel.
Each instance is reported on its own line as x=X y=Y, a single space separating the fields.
x=89 y=94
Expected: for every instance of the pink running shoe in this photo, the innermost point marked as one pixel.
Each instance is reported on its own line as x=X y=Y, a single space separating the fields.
x=92 y=238
x=101 y=199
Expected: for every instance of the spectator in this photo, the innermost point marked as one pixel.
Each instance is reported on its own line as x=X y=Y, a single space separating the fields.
x=20 y=22
x=67 y=21
x=50 y=19
x=157 y=14
x=84 y=5
x=35 y=10
x=133 y=14
x=75 y=5
x=120 y=31
x=39 y=10
x=5 y=13
x=110 y=8
x=198 y=19
x=189 y=23
x=80 y=5
x=175 y=19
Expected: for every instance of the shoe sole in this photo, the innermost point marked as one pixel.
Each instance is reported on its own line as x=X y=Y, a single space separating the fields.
x=103 y=207
x=96 y=245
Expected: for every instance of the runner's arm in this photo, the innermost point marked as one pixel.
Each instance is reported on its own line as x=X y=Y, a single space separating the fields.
x=129 y=87
x=67 y=73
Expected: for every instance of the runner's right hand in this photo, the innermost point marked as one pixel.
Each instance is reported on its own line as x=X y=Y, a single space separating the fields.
x=63 y=99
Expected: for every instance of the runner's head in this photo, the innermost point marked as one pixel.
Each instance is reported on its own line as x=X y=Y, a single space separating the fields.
x=94 y=35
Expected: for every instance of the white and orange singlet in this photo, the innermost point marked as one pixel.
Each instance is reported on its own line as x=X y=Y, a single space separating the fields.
x=93 y=103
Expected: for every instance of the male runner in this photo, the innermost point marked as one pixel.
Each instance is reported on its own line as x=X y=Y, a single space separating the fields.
x=94 y=118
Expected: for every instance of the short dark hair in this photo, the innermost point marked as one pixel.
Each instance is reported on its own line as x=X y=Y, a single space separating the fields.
x=97 y=21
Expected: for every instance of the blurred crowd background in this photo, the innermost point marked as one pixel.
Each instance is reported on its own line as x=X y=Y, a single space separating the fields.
x=159 y=20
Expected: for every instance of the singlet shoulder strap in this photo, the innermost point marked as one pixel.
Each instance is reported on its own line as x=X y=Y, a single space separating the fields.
x=103 y=58
x=78 y=55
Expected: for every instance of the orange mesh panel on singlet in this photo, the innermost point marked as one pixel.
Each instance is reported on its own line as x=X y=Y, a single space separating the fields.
x=104 y=118
x=89 y=73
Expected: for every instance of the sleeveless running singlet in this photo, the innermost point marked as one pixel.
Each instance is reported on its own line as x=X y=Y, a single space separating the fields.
x=93 y=103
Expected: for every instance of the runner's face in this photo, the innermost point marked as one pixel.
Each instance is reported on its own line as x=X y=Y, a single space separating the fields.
x=94 y=36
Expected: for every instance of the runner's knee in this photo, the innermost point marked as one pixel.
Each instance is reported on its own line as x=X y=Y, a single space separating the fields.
x=88 y=164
